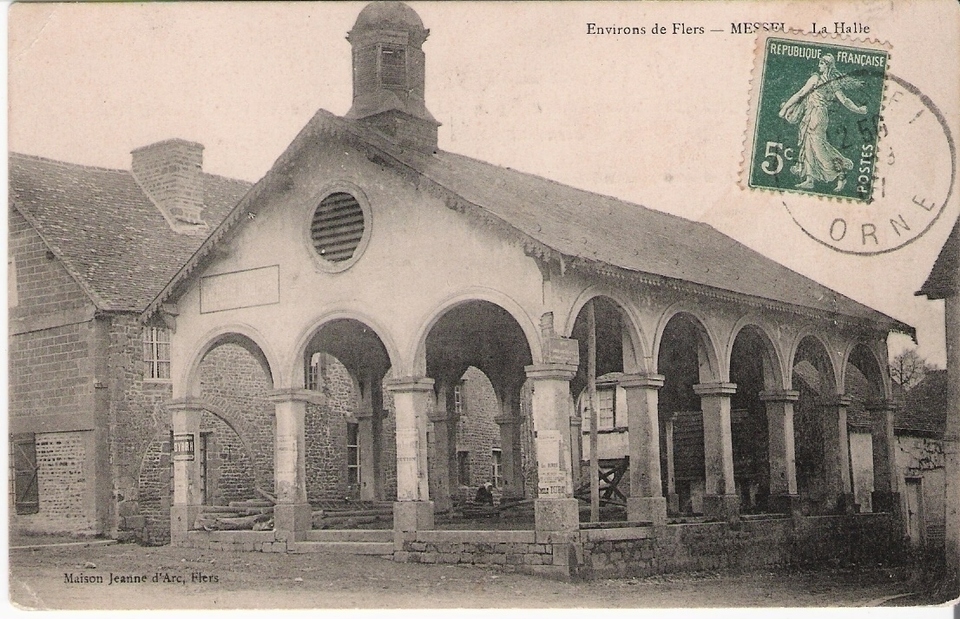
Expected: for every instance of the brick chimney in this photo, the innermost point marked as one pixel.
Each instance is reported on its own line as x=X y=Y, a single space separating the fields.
x=169 y=172
x=389 y=76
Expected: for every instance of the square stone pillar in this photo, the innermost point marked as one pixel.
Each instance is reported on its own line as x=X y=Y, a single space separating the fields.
x=646 y=502
x=673 y=499
x=185 y=421
x=292 y=516
x=555 y=508
x=413 y=400
x=886 y=478
x=368 y=449
x=509 y=454
x=720 y=499
x=836 y=453
x=781 y=450
x=440 y=483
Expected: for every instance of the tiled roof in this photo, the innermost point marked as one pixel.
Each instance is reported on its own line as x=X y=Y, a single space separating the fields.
x=583 y=227
x=924 y=408
x=944 y=279
x=107 y=233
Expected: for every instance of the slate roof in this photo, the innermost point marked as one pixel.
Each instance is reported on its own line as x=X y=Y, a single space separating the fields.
x=581 y=226
x=944 y=278
x=924 y=409
x=105 y=230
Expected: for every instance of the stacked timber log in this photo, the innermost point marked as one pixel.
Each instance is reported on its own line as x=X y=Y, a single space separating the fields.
x=350 y=515
x=252 y=514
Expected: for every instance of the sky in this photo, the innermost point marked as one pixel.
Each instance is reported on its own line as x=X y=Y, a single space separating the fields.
x=658 y=121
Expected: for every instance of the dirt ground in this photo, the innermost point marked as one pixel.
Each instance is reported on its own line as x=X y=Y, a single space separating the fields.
x=176 y=578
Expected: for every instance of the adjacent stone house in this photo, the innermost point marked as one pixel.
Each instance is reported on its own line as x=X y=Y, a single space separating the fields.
x=88 y=249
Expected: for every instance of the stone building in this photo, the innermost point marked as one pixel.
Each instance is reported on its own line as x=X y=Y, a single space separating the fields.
x=409 y=265
x=944 y=283
x=88 y=249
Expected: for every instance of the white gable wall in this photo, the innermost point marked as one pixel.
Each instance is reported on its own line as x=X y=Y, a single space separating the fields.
x=421 y=256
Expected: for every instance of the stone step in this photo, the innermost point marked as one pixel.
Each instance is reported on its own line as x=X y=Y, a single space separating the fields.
x=350 y=548
x=350 y=535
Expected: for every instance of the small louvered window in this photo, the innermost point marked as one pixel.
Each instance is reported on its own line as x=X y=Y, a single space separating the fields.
x=393 y=67
x=337 y=227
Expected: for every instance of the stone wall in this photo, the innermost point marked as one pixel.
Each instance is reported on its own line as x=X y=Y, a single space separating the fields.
x=923 y=458
x=65 y=476
x=477 y=433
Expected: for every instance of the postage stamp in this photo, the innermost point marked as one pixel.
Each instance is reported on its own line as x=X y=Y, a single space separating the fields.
x=815 y=125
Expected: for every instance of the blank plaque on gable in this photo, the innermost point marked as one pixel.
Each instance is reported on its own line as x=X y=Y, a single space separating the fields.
x=248 y=288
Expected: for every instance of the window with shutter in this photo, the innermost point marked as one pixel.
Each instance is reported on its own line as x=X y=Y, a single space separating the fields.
x=26 y=488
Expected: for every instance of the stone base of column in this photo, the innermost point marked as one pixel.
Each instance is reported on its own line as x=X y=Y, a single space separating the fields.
x=888 y=502
x=652 y=509
x=292 y=520
x=846 y=503
x=721 y=506
x=673 y=503
x=556 y=514
x=786 y=504
x=182 y=519
x=411 y=516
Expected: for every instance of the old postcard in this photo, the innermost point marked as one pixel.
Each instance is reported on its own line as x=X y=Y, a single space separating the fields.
x=483 y=305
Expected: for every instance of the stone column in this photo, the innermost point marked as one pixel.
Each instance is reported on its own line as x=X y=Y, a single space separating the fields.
x=364 y=415
x=781 y=454
x=440 y=483
x=886 y=478
x=185 y=419
x=413 y=399
x=646 y=502
x=576 y=449
x=720 y=498
x=673 y=499
x=836 y=453
x=292 y=516
x=509 y=453
x=555 y=508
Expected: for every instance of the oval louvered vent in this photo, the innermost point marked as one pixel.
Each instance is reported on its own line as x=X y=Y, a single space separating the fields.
x=337 y=227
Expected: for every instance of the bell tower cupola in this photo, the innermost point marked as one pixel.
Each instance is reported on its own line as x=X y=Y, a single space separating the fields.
x=388 y=75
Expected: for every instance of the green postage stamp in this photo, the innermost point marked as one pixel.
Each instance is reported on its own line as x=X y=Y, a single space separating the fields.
x=816 y=117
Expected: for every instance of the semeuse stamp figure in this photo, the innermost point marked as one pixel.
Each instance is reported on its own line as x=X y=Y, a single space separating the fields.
x=817 y=159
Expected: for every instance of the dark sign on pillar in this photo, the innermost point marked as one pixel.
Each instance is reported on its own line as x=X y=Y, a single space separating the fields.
x=183 y=447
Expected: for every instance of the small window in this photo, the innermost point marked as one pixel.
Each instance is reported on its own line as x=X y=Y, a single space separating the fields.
x=156 y=353
x=606 y=409
x=393 y=67
x=316 y=371
x=458 y=398
x=496 y=474
x=463 y=468
x=26 y=489
x=353 y=454
x=337 y=227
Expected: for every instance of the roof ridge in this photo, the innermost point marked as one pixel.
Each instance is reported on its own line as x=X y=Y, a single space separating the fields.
x=67 y=164
x=586 y=191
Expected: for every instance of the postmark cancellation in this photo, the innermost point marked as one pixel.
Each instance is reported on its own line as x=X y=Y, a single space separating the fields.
x=862 y=161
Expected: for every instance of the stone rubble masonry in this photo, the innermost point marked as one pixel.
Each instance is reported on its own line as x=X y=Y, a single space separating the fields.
x=64 y=484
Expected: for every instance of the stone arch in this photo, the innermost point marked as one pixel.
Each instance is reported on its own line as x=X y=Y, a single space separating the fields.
x=243 y=335
x=636 y=359
x=862 y=356
x=531 y=333
x=315 y=326
x=754 y=365
x=349 y=436
x=707 y=349
x=834 y=372
x=773 y=359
